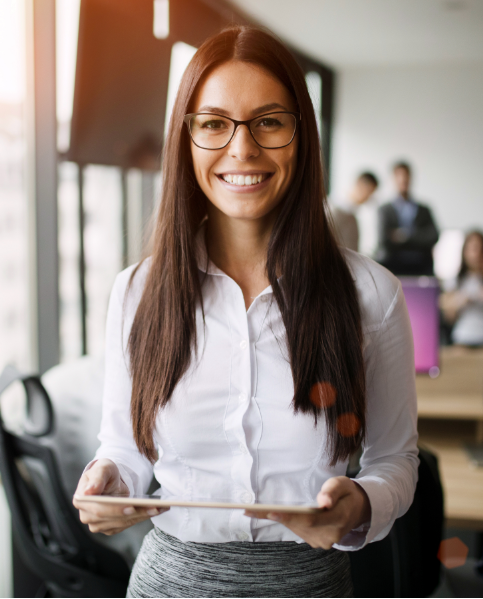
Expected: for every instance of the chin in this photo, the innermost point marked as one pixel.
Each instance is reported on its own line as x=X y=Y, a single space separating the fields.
x=247 y=210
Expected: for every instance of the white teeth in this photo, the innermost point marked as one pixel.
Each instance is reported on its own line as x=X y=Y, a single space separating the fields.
x=243 y=180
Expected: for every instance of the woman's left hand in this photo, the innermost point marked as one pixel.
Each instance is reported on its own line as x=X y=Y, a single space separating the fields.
x=346 y=507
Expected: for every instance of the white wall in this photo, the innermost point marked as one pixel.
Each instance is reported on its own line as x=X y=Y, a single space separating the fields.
x=431 y=116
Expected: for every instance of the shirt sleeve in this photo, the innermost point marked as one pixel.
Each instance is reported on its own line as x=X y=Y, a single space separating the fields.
x=116 y=434
x=389 y=463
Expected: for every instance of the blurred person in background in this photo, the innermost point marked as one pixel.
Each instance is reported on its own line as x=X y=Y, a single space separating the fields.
x=406 y=229
x=462 y=303
x=351 y=222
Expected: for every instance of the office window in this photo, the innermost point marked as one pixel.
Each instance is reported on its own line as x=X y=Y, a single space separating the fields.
x=14 y=237
x=103 y=236
x=181 y=54
x=103 y=249
x=14 y=230
x=69 y=275
x=314 y=85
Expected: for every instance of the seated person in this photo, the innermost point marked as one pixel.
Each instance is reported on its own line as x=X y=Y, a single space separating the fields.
x=351 y=220
x=407 y=231
x=462 y=304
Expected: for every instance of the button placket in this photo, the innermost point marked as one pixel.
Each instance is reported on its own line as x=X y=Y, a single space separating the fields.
x=240 y=392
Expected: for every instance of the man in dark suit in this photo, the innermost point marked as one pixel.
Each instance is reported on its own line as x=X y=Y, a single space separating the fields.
x=407 y=231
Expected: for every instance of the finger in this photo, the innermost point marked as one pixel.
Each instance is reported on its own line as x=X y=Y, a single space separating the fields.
x=82 y=484
x=257 y=514
x=115 y=525
x=332 y=491
x=294 y=520
x=98 y=480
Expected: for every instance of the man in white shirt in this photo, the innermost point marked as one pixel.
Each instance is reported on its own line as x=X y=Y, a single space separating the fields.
x=355 y=217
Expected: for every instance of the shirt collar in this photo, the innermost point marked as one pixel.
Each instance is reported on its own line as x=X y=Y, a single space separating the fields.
x=404 y=201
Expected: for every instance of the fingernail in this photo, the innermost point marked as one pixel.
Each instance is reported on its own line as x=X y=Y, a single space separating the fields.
x=152 y=511
x=275 y=517
x=129 y=511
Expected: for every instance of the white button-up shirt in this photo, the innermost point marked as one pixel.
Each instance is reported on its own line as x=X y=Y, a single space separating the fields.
x=229 y=431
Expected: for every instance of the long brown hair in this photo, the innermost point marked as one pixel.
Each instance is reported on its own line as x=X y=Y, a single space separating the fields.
x=316 y=295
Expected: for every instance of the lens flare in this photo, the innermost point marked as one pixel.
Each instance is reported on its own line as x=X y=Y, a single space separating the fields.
x=452 y=553
x=323 y=395
x=348 y=424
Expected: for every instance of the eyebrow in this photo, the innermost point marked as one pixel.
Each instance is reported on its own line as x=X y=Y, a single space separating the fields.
x=260 y=110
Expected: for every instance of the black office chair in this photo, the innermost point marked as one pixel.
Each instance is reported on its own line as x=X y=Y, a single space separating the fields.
x=405 y=563
x=46 y=529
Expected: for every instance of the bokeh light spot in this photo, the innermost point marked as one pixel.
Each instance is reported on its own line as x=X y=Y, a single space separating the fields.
x=323 y=395
x=452 y=553
x=348 y=424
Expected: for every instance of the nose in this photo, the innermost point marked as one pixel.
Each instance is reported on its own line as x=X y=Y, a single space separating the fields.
x=243 y=146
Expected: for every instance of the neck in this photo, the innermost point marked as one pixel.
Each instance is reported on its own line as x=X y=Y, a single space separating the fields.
x=404 y=195
x=237 y=246
x=353 y=199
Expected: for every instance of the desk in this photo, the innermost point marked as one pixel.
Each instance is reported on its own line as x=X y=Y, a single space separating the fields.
x=457 y=393
x=448 y=408
x=462 y=482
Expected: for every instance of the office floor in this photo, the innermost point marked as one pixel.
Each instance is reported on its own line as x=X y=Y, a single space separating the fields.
x=461 y=582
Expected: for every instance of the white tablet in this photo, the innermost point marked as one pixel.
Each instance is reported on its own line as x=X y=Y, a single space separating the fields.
x=155 y=501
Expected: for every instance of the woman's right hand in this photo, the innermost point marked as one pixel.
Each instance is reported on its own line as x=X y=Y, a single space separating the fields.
x=103 y=478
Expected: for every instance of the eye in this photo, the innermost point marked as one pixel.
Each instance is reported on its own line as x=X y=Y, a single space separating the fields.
x=269 y=123
x=213 y=124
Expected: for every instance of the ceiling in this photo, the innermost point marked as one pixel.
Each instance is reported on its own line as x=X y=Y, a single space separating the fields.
x=351 y=33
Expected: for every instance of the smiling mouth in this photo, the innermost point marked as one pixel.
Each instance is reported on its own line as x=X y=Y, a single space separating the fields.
x=245 y=180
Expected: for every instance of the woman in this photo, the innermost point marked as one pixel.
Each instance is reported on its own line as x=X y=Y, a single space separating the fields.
x=255 y=358
x=462 y=305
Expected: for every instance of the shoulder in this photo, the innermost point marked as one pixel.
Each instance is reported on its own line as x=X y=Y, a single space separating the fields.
x=423 y=208
x=377 y=289
x=341 y=215
x=130 y=282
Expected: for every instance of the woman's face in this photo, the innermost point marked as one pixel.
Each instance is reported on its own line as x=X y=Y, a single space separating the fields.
x=243 y=91
x=473 y=253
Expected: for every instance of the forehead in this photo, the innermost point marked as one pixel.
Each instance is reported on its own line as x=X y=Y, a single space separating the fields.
x=240 y=88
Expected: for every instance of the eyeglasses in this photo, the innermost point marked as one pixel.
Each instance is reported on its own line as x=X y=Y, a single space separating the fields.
x=214 y=131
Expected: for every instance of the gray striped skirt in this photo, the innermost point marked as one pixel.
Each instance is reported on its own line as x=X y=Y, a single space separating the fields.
x=167 y=567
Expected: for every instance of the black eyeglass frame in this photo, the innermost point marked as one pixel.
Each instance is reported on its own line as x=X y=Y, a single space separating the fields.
x=187 y=119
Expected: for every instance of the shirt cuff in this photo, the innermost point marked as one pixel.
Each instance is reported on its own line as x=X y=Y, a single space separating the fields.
x=381 y=516
x=382 y=510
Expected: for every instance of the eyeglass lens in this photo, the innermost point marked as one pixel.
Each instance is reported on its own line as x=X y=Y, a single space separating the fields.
x=270 y=130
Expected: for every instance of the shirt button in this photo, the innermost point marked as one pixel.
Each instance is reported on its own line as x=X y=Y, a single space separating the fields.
x=242 y=397
x=243 y=449
x=243 y=343
x=247 y=497
x=265 y=298
x=242 y=536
